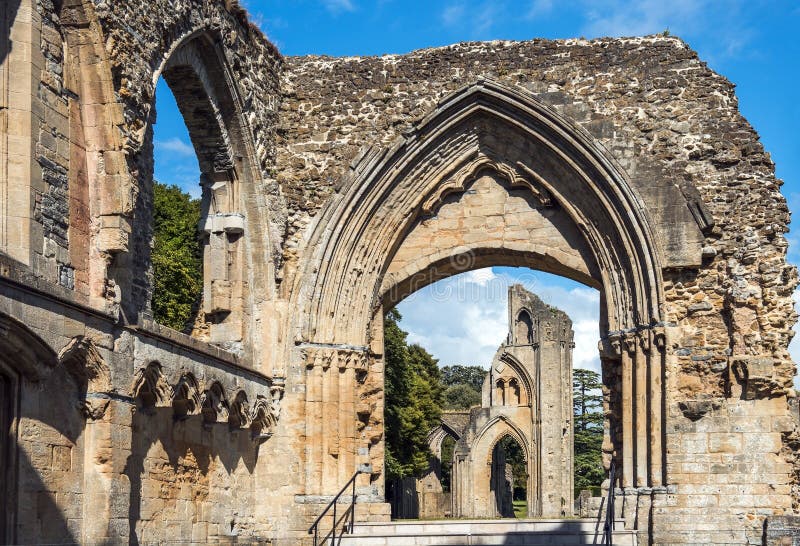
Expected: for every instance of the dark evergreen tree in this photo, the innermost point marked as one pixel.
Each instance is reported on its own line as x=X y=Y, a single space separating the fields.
x=587 y=401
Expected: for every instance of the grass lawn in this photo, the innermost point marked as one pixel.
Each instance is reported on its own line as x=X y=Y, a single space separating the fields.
x=520 y=509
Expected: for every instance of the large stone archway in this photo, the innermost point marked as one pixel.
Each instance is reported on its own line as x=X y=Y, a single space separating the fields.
x=492 y=177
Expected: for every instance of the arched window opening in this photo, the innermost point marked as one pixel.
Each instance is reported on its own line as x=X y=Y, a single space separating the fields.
x=448 y=447
x=513 y=394
x=509 y=479
x=524 y=329
x=455 y=481
x=177 y=254
x=500 y=397
x=203 y=293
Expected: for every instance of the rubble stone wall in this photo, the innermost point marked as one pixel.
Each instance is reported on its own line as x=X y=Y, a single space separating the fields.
x=673 y=127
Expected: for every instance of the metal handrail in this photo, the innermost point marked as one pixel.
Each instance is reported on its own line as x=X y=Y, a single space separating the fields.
x=350 y=512
x=608 y=526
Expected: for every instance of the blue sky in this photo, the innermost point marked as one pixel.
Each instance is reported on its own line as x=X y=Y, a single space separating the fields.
x=752 y=43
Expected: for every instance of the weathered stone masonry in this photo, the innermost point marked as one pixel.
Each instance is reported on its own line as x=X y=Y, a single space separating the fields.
x=333 y=188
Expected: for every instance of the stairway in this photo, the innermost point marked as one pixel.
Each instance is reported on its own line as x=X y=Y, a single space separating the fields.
x=507 y=532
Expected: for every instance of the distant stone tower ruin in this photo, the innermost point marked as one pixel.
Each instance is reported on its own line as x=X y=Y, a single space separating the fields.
x=527 y=395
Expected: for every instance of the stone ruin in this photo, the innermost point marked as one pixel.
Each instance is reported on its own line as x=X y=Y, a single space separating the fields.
x=333 y=188
x=527 y=395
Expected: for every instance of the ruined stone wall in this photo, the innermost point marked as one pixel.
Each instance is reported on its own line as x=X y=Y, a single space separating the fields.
x=660 y=112
x=673 y=127
x=106 y=449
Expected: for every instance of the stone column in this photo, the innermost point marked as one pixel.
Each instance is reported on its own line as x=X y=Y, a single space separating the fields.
x=642 y=388
x=628 y=355
x=656 y=381
x=107 y=444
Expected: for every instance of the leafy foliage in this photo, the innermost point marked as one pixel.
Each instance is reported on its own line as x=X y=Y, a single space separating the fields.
x=588 y=410
x=515 y=456
x=448 y=447
x=461 y=397
x=463 y=375
x=413 y=401
x=176 y=257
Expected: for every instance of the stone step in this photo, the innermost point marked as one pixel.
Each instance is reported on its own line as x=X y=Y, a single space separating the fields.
x=508 y=532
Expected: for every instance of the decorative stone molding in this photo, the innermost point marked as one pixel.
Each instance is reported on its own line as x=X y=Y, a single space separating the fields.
x=277 y=390
x=643 y=337
x=342 y=358
x=84 y=362
x=660 y=338
x=239 y=414
x=209 y=399
x=610 y=347
x=263 y=422
x=186 y=397
x=629 y=343
x=151 y=388
x=468 y=173
x=215 y=406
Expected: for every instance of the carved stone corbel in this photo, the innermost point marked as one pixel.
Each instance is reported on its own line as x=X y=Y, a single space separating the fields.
x=150 y=387
x=262 y=422
x=186 y=399
x=629 y=343
x=644 y=340
x=276 y=391
x=215 y=407
x=239 y=414
x=610 y=347
x=85 y=363
x=660 y=338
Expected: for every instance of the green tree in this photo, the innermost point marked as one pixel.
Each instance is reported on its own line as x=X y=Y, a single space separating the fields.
x=588 y=411
x=461 y=396
x=413 y=401
x=463 y=375
x=515 y=456
x=176 y=257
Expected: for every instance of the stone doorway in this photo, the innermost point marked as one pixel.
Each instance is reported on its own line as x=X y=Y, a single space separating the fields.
x=508 y=482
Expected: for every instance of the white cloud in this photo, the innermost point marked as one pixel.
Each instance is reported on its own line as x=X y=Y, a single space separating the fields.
x=338 y=6
x=480 y=276
x=463 y=319
x=539 y=8
x=634 y=18
x=453 y=15
x=174 y=145
x=730 y=36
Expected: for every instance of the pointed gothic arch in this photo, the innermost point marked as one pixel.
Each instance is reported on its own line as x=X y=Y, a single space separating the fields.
x=390 y=230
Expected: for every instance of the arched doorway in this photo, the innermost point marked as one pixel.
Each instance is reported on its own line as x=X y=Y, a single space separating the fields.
x=508 y=483
x=25 y=360
x=490 y=178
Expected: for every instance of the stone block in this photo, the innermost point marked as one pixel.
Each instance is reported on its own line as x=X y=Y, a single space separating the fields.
x=721 y=442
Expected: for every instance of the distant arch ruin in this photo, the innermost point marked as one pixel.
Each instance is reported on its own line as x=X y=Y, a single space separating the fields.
x=526 y=395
